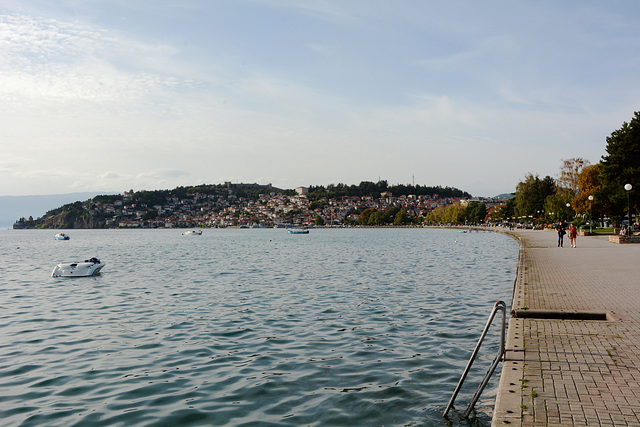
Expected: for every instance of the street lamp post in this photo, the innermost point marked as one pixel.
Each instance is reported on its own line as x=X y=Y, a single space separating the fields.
x=568 y=207
x=628 y=187
x=590 y=214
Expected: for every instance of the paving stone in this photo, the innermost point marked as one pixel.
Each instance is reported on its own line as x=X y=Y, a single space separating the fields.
x=585 y=372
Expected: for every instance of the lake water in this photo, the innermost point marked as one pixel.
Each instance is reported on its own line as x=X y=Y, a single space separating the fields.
x=340 y=327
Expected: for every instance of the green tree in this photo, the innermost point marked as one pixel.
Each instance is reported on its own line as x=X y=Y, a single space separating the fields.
x=531 y=195
x=317 y=205
x=376 y=218
x=150 y=215
x=507 y=210
x=451 y=214
x=475 y=212
x=319 y=221
x=401 y=217
x=454 y=214
x=389 y=216
x=555 y=205
x=621 y=166
x=364 y=216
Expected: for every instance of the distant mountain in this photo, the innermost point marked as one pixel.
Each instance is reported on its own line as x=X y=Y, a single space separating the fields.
x=13 y=208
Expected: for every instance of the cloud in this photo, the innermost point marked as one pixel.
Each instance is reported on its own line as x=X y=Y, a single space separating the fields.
x=511 y=95
x=43 y=174
x=106 y=176
x=162 y=174
x=54 y=61
x=28 y=41
x=148 y=180
x=319 y=9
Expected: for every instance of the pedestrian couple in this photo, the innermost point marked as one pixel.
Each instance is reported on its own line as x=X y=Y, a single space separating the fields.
x=573 y=234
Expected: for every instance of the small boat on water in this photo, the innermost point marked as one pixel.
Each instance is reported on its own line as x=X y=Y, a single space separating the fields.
x=88 y=267
x=192 y=233
x=61 y=236
x=297 y=231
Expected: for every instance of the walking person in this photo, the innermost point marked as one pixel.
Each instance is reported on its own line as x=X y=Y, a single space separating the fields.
x=561 y=233
x=573 y=234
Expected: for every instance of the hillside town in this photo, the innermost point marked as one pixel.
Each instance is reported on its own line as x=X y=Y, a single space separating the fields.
x=232 y=206
x=239 y=205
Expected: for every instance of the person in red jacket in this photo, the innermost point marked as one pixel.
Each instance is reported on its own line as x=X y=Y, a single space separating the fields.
x=573 y=233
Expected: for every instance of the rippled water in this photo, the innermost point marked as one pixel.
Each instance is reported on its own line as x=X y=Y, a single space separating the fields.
x=247 y=327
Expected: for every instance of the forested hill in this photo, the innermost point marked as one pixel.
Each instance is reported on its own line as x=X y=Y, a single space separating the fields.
x=373 y=189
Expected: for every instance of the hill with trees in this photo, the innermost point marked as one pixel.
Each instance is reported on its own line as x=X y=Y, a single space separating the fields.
x=251 y=204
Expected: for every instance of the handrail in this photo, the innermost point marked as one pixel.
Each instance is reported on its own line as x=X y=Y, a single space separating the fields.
x=499 y=305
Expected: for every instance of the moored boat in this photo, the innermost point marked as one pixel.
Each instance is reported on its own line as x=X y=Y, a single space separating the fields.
x=61 y=236
x=298 y=231
x=84 y=268
x=192 y=233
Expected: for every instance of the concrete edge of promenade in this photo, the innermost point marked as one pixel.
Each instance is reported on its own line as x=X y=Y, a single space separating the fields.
x=508 y=409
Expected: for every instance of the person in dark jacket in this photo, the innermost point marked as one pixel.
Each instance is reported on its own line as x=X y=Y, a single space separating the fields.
x=561 y=233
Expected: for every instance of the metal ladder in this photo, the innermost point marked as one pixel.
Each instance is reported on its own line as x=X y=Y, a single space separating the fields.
x=499 y=306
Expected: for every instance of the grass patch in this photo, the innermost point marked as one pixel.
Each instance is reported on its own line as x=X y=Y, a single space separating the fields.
x=607 y=230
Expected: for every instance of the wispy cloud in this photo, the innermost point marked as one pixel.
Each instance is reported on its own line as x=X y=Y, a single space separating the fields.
x=320 y=9
x=57 y=61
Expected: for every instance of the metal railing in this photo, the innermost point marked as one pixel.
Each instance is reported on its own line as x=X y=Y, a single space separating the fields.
x=499 y=306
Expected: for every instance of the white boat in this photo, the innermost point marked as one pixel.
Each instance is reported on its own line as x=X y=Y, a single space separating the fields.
x=192 y=233
x=298 y=231
x=88 y=267
x=61 y=236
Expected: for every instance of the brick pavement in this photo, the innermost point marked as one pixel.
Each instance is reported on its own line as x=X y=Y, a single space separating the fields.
x=560 y=372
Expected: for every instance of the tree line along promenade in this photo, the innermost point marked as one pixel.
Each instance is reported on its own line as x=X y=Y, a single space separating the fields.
x=234 y=206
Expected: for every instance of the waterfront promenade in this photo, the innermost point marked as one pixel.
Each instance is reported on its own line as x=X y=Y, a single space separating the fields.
x=573 y=358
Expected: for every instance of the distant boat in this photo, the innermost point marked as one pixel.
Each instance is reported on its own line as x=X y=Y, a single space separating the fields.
x=298 y=231
x=85 y=268
x=61 y=236
x=192 y=233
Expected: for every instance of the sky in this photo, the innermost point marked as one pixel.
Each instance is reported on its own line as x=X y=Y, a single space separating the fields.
x=115 y=95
